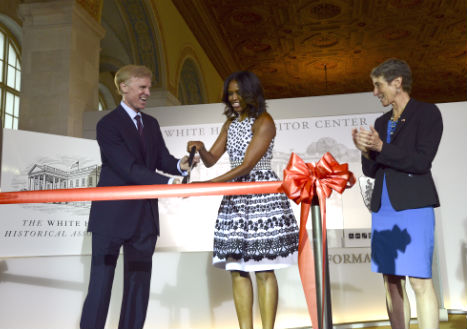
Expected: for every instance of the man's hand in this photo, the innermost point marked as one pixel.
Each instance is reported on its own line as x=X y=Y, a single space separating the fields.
x=176 y=181
x=184 y=165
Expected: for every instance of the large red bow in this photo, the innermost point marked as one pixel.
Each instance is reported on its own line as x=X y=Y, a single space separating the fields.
x=302 y=182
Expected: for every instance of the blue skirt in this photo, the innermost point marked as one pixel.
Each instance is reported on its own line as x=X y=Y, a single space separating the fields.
x=402 y=241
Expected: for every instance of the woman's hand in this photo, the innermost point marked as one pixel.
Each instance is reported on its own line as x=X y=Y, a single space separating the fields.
x=197 y=144
x=358 y=140
x=210 y=157
x=370 y=139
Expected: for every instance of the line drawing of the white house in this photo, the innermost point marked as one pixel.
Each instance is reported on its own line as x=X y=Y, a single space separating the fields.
x=46 y=177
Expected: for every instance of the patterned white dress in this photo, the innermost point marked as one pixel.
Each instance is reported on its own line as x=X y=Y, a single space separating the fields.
x=254 y=232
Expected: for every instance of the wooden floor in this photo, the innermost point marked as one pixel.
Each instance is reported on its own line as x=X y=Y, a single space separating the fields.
x=456 y=321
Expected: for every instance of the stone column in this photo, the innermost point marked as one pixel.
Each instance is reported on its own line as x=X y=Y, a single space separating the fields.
x=161 y=97
x=60 y=66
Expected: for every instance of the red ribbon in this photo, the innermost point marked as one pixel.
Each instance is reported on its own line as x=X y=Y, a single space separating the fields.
x=139 y=192
x=302 y=182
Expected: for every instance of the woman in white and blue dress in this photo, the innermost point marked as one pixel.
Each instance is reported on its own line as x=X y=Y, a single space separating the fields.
x=398 y=152
x=253 y=233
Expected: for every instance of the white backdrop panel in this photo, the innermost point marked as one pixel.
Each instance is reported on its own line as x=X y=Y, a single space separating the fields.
x=36 y=161
x=187 y=292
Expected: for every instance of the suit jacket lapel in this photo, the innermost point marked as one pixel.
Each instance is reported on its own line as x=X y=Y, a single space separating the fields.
x=384 y=131
x=148 y=142
x=405 y=116
x=131 y=133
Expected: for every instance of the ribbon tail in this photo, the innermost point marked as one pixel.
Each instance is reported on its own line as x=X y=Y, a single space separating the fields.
x=322 y=206
x=306 y=266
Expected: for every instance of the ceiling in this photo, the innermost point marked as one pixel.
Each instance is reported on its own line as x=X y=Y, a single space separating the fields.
x=312 y=47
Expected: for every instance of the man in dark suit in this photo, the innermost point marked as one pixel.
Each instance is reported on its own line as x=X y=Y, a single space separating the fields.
x=132 y=148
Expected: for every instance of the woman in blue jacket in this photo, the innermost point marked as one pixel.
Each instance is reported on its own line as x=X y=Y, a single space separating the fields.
x=398 y=152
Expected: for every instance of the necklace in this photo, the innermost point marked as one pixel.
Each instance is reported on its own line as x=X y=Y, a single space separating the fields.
x=392 y=124
x=395 y=117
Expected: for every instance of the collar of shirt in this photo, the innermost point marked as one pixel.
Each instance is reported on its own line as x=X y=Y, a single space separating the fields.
x=131 y=113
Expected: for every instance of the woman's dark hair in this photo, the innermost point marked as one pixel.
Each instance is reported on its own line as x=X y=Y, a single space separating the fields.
x=250 y=89
x=393 y=68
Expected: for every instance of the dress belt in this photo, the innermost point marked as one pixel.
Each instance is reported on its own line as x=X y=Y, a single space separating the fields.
x=261 y=165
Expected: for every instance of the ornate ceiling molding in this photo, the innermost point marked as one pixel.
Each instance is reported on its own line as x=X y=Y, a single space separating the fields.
x=205 y=28
x=288 y=43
